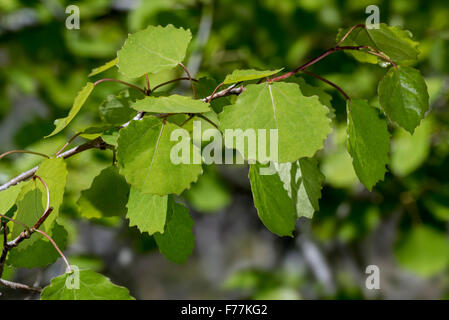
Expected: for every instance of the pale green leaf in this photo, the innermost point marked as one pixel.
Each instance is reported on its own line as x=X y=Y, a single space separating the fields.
x=144 y=149
x=395 y=42
x=409 y=152
x=423 y=251
x=368 y=142
x=178 y=240
x=103 y=68
x=41 y=253
x=106 y=197
x=248 y=74
x=171 y=104
x=32 y=199
x=147 y=211
x=303 y=182
x=302 y=122
x=8 y=197
x=92 y=286
x=153 y=50
x=54 y=173
x=80 y=99
x=273 y=204
x=403 y=97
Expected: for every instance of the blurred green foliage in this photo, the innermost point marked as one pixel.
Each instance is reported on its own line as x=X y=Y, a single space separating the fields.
x=43 y=65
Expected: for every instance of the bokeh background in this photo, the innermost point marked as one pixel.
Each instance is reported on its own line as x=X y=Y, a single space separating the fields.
x=402 y=226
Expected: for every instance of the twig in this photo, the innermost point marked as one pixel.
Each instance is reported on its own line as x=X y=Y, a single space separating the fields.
x=215 y=90
x=23 y=151
x=233 y=89
x=96 y=143
x=349 y=32
x=46 y=190
x=328 y=82
x=147 y=80
x=67 y=143
x=171 y=81
x=122 y=82
x=15 y=285
x=190 y=78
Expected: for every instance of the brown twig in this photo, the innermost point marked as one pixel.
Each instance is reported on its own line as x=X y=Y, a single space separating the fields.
x=171 y=81
x=23 y=151
x=328 y=82
x=67 y=144
x=190 y=79
x=122 y=82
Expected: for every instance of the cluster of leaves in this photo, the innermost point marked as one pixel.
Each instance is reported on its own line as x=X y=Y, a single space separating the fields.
x=144 y=182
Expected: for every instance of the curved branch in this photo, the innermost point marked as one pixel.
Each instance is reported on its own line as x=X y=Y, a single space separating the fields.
x=24 y=151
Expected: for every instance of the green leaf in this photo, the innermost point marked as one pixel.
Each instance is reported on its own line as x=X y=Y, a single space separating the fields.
x=29 y=210
x=357 y=37
x=171 y=104
x=32 y=199
x=424 y=251
x=301 y=121
x=395 y=42
x=104 y=67
x=144 y=149
x=310 y=91
x=409 y=152
x=41 y=253
x=54 y=173
x=147 y=211
x=248 y=74
x=178 y=240
x=106 y=197
x=403 y=97
x=368 y=142
x=116 y=110
x=273 y=204
x=8 y=197
x=80 y=99
x=153 y=50
x=92 y=286
x=303 y=182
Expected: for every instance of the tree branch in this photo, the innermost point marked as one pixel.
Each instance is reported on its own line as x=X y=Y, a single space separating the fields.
x=15 y=285
x=97 y=143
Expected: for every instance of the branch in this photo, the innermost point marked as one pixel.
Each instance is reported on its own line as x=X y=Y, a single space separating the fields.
x=96 y=143
x=328 y=82
x=171 y=81
x=15 y=285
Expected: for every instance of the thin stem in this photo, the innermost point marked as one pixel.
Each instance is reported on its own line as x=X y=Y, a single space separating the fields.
x=187 y=120
x=67 y=144
x=171 y=81
x=56 y=247
x=349 y=32
x=203 y=117
x=147 y=80
x=328 y=82
x=46 y=189
x=190 y=79
x=122 y=82
x=215 y=90
x=313 y=61
x=14 y=221
x=23 y=151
